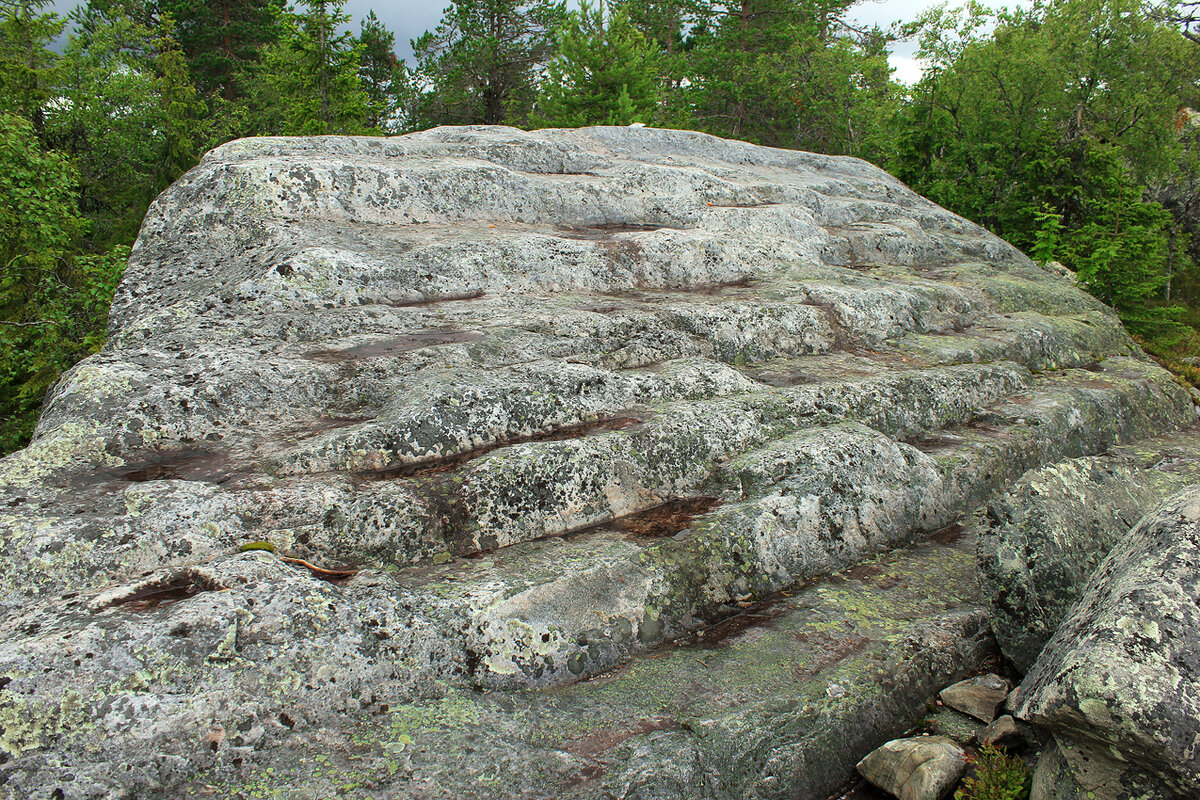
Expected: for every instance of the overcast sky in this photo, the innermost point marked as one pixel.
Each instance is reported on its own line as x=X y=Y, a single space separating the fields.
x=408 y=19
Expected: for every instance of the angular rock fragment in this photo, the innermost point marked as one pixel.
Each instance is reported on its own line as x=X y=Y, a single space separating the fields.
x=1001 y=730
x=920 y=768
x=980 y=697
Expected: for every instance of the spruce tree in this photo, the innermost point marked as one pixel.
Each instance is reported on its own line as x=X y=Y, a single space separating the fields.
x=27 y=65
x=383 y=75
x=310 y=78
x=605 y=72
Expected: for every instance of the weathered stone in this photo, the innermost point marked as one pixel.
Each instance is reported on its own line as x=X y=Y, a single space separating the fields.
x=1053 y=528
x=952 y=724
x=558 y=397
x=1070 y=771
x=1001 y=730
x=920 y=768
x=1121 y=676
x=779 y=704
x=980 y=697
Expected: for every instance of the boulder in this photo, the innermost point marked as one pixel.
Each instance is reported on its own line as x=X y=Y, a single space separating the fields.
x=1057 y=523
x=1068 y=770
x=1121 y=676
x=394 y=442
x=919 y=768
x=1001 y=730
x=980 y=697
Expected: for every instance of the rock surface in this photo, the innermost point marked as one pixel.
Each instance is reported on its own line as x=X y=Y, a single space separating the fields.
x=952 y=724
x=919 y=768
x=1067 y=770
x=1122 y=673
x=980 y=697
x=533 y=406
x=1054 y=527
x=1001 y=730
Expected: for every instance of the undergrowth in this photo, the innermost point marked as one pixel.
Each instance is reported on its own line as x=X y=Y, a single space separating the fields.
x=998 y=776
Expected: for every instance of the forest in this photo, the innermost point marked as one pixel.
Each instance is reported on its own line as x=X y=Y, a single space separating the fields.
x=1068 y=128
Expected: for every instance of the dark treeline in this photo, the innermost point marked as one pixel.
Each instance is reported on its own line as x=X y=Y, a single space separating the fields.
x=1067 y=128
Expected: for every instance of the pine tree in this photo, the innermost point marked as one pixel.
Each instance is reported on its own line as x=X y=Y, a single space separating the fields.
x=479 y=64
x=222 y=39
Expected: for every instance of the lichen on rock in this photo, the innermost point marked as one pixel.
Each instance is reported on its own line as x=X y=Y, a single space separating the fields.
x=514 y=410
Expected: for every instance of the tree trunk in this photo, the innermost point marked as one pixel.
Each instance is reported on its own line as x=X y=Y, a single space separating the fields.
x=1170 y=260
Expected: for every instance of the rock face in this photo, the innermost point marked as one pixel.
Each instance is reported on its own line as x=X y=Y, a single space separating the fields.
x=1123 y=671
x=514 y=409
x=1050 y=532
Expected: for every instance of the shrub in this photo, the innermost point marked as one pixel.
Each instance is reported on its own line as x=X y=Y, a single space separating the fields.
x=998 y=776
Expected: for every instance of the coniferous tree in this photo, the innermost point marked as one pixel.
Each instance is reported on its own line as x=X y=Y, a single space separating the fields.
x=383 y=75
x=27 y=64
x=784 y=73
x=311 y=76
x=605 y=72
x=479 y=65
x=222 y=39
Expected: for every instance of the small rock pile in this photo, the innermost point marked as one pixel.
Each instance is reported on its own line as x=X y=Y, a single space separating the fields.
x=928 y=767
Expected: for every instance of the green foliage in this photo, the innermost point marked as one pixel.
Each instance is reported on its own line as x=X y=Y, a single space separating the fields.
x=788 y=73
x=54 y=302
x=1048 y=129
x=998 y=777
x=27 y=65
x=39 y=219
x=605 y=72
x=223 y=39
x=310 y=77
x=129 y=117
x=1046 y=237
x=384 y=77
x=479 y=65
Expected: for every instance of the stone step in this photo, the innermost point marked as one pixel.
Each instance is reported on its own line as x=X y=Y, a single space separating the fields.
x=779 y=702
x=486 y=503
x=811 y=503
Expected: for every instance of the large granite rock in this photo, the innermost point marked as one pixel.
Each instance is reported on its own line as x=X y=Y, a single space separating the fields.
x=1122 y=673
x=1057 y=523
x=514 y=409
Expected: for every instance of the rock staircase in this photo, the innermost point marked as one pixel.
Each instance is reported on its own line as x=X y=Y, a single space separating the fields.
x=481 y=463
